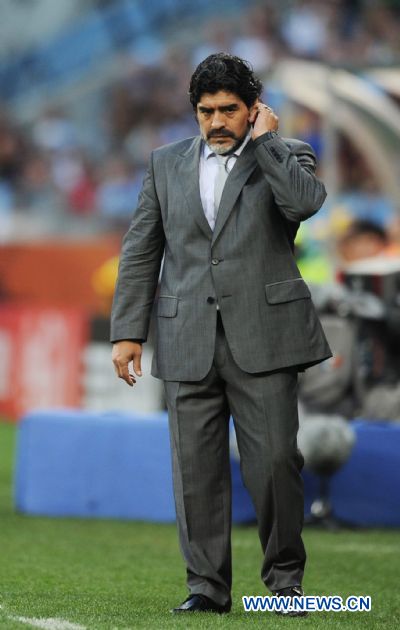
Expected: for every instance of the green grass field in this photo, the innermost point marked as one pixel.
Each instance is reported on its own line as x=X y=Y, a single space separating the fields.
x=119 y=575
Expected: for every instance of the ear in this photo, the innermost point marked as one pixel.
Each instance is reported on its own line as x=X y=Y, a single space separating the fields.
x=253 y=111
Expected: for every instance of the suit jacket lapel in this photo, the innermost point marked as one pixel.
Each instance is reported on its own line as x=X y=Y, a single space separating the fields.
x=187 y=169
x=244 y=166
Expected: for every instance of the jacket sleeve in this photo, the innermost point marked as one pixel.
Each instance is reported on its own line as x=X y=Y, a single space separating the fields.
x=139 y=266
x=289 y=168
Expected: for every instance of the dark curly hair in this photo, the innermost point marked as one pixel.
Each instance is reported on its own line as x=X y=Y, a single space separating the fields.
x=221 y=71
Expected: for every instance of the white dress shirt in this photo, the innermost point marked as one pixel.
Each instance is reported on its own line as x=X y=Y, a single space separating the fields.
x=208 y=169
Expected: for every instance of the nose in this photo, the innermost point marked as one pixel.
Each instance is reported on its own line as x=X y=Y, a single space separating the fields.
x=218 y=121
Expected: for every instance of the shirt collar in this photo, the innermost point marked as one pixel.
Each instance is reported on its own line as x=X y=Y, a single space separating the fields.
x=207 y=152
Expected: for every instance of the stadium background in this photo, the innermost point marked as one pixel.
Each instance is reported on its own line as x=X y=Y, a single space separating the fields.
x=87 y=89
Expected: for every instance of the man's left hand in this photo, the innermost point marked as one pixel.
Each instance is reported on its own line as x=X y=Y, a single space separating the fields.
x=263 y=119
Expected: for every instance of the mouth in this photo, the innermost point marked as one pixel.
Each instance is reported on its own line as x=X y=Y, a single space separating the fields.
x=221 y=137
x=220 y=134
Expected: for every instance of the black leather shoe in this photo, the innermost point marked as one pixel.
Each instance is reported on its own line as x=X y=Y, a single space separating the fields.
x=201 y=603
x=291 y=591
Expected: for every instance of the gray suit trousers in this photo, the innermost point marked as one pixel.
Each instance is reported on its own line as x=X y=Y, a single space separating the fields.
x=264 y=409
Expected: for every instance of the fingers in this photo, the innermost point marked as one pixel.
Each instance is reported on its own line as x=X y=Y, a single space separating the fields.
x=126 y=376
x=263 y=116
x=122 y=371
x=269 y=115
x=265 y=119
x=137 y=368
x=123 y=353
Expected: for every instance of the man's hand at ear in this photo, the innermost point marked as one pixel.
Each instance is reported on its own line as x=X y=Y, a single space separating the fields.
x=123 y=353
x=263 y=119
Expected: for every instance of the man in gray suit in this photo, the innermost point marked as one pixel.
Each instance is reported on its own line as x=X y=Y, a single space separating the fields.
x=234 y=322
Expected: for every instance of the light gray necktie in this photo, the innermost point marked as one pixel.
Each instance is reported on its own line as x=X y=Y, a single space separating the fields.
x=219 y=182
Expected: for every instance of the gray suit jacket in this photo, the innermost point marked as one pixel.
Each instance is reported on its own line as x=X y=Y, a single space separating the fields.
x=246 y=263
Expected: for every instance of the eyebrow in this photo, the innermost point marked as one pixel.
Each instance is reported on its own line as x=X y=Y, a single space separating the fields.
x=223 y=108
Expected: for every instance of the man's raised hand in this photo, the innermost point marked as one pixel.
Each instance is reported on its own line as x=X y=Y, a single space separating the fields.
x=263 y=119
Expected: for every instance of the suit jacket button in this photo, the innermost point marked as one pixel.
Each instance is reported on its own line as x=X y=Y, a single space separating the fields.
x=215 y=261
x=210 y=300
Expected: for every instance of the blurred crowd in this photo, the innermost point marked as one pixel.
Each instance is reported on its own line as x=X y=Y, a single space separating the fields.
x=50 y=179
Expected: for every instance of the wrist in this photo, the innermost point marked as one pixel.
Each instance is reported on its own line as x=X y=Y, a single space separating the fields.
x=266 y=137
x=141 y=341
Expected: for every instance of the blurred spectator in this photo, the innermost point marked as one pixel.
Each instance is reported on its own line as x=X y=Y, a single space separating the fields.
x=365 y=239
x=66 y=170
x=215 y=36
x=6 y=198
x=307 y=126
x=304 y=27
x=117 y=192
x=82 y=193
x=11 y=151
x=252 y=42
x=37 y=194
x=54 y=131
x=367 y=203
x=383 y=30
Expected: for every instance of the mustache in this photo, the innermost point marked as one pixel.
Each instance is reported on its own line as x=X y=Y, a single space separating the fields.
x=221 y=132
